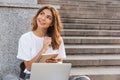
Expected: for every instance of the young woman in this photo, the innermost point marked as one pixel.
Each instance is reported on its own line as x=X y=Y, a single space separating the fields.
x=44 y=38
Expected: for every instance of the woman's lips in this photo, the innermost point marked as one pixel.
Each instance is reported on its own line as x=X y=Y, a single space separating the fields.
x=42 y=23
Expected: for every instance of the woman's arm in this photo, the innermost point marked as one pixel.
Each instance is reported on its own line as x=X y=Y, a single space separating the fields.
x=46 y=43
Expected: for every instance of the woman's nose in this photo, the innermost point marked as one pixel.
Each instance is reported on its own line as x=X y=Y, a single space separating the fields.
x=43 y=17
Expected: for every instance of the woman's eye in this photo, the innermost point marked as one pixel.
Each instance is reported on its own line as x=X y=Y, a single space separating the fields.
x=49 y=18
x=41 y=13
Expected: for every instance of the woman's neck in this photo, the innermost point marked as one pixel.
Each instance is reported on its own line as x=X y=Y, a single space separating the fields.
x=40 y=33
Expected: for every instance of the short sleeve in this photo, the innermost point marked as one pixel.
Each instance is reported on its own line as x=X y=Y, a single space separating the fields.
x=24 y=49
x=61 y=50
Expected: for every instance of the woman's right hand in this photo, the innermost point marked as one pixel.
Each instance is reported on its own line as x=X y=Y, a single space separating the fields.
x=47 y=41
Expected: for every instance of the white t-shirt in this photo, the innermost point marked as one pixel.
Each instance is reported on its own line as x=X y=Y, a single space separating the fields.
x=30 y=45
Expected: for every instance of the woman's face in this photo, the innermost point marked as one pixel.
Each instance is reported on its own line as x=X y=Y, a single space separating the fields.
x=44 y=19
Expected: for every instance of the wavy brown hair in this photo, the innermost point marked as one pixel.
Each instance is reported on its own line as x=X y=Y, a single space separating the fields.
x=57 y=25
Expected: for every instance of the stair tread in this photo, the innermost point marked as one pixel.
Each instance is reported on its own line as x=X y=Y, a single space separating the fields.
x=105 y=70
x=91 y=30
x=91 y=19
x=82 y=24
x=77 y=37
x=94 y=57
x=92 y=46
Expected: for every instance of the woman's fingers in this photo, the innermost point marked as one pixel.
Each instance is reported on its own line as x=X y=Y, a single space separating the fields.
x=47 y=42
x=51 y=61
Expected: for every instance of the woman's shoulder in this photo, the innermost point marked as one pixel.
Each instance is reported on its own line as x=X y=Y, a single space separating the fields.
x=26 y=35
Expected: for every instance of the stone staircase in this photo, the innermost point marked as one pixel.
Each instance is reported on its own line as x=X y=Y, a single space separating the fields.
x=91 y=36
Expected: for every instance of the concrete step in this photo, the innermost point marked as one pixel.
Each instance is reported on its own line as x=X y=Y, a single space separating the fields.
x=90 y=21
x=101 y=77
x=93 y=60
x=87 y=33
x=92 y=49
x=71 y=32
x=92 y=40
x=92 y=26
x=92 y=7
x=58 y=2
x=90 y=14
x=105 y=77
x=102 y=70
x=98 y=73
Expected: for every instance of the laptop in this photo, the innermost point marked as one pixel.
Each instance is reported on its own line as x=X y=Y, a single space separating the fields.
x=50 y=71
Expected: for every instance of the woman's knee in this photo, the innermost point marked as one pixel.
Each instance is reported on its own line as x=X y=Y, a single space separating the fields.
x=79 y=78
x=82 y=78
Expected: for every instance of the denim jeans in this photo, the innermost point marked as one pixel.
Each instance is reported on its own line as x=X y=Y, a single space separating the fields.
x=79 y=78
x=27 y=77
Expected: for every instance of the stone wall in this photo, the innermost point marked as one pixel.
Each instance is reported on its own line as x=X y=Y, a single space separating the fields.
x=14 y=21
x=20 y=1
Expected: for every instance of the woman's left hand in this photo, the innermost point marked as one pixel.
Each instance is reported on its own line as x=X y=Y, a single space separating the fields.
x=53 y=60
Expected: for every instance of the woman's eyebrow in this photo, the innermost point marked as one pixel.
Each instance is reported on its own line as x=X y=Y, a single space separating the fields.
x=47 y=14
x=42 y=12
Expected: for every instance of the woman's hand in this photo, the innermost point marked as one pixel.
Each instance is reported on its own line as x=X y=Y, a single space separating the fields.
x=53 y=60
x=47 y=42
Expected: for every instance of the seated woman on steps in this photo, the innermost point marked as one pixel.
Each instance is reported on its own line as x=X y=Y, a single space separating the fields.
x=44 y=38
